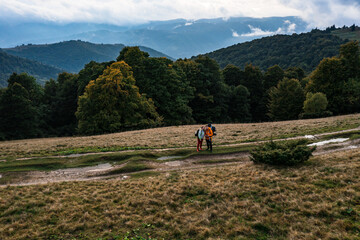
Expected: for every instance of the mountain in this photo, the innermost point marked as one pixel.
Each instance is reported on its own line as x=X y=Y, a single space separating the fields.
x=73 y=55
x=10 y=64
x=178 y=38
x=304 y=50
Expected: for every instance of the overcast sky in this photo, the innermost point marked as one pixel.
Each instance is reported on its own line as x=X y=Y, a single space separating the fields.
x=318 y=13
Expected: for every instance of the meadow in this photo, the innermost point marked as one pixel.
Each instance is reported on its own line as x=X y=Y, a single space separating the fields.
x=319 y=200
x=215 y=198
x=173 y=137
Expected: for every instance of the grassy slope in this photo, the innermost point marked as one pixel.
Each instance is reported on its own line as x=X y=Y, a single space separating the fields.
x=320 y=200
x=172 y=137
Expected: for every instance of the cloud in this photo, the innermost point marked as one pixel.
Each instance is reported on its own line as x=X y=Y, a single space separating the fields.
x=324 y=13
x=235 y=34
x=124 y=11
x=257 y=32
x=318 y=13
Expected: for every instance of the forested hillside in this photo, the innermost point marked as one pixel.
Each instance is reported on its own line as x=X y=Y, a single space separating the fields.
x=304 y=50
x=10 y=64
x=72 y=55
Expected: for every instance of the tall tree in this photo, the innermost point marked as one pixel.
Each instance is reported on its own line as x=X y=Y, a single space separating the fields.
x=286 y=100
x=91 y=71
x=253 y=81
x=232 y=75
x=239 y=105
x=21 y=108
x=209 y=104
x=170 y=90
x=272 y=76
x=113 y=103
x=61 y=97
x=350 y=56
x=329 y=78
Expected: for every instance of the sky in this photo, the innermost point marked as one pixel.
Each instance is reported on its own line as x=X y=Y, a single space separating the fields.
x=317 y=13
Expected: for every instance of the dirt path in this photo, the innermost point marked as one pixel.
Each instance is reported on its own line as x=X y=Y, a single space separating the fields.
x=192 y=163
x=168 y=149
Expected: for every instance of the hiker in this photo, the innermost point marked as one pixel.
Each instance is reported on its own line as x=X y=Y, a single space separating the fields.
x=200 y=137
x=208 y=136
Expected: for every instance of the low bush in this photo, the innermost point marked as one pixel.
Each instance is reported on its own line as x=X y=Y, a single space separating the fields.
x=282 y=153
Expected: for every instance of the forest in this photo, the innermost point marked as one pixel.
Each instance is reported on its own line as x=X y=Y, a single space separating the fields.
x=138 y=91
x=303 y=50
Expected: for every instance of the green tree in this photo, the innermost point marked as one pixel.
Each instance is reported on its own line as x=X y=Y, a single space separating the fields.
x=315 y=104
x=329 y=78
x=170 y=90
x=350 y=56
x=272 y=76
x=294 y=72
x=253 y=81
x=135 y=58
x=19 y=118
x=239 y=105
x=61 y=97
x=211 y=95
x=113 y=103
x=351 y=94
x=232 y=75
x=91 y=71
x=286 y=100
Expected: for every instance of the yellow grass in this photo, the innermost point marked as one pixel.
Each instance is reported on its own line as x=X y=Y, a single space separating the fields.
x=179 y=136
x=320 y=200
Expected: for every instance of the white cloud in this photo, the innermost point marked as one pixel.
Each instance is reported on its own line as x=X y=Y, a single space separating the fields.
x=318 y=13
x=257 y=32
x=125 y=11
x=321 y=13
x=235 y=34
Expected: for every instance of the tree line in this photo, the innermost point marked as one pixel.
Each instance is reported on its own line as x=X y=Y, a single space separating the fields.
x=137 y=91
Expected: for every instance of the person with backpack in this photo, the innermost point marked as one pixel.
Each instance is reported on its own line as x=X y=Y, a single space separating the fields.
x=208 y=136
x=200 y=137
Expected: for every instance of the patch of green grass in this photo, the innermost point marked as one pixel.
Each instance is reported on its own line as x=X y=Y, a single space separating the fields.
x=129 y=168
x=97 y=149
x=352 y=135
x=210 y=161
x=328 y=183
x=144 y=174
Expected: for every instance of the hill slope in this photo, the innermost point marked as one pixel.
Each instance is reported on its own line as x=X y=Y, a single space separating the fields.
x=10 y=64
x=304 y=50
x=73 y=55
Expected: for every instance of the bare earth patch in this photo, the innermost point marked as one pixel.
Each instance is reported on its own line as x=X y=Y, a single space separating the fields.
x=194 y=162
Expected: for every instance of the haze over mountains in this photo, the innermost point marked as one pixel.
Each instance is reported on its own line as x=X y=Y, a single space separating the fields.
x=177 y=38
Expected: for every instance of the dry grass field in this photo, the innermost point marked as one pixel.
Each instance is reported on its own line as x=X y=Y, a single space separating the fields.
x=319 y=200
x=170 y=137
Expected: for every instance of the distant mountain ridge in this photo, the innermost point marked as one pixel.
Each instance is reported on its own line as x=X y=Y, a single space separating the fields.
x=177 y=38
x=10 y=64
x=73 y=55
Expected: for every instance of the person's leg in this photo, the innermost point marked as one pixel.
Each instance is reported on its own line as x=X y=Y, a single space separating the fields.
x=201 y=141
x=198 y=144
x=207 y=144
x=210 y=143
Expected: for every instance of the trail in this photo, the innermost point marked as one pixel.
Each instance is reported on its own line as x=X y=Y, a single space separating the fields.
x=179 y=148
x=192 y=163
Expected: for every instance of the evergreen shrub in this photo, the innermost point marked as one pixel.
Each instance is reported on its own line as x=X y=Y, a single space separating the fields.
x=282 y=153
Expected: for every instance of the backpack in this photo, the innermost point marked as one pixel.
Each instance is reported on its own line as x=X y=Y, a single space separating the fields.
x=197 y=133
x=213 y=130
